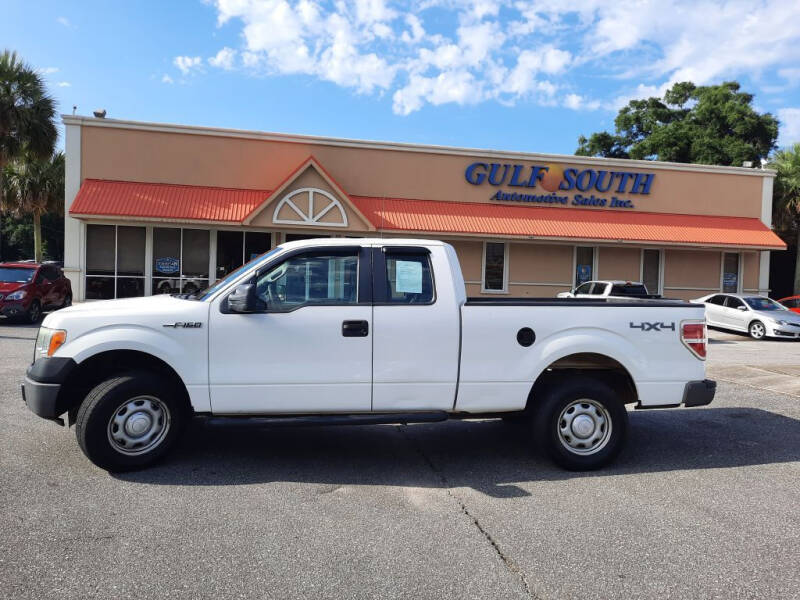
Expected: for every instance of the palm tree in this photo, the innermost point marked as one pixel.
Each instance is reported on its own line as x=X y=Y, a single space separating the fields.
x=34 y=186
x=27 y=112
x=787 y=197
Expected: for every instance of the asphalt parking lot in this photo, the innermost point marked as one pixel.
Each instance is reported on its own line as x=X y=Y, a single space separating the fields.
x=703 y=503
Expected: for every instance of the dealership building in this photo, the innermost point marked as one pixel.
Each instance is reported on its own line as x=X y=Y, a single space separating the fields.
x=154 y=208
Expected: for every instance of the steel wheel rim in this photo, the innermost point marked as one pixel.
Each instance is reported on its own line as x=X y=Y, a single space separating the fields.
x=138 y=425
x=34 y=311
x=584 y=427
x=757 y=330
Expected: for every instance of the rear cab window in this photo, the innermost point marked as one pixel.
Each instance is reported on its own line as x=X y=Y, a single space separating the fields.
x=628 y=289
x=403 y=275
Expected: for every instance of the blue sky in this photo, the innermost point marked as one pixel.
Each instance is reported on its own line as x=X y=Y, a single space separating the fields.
x=505 y=74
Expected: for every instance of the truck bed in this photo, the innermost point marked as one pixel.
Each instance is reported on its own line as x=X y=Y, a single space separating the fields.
x=643 y=302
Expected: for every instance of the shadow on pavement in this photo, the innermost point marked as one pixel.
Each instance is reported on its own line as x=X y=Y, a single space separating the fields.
x=489 y=456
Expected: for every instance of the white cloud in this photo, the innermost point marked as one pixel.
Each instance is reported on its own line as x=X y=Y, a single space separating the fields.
x=789 y=126
x=64 y=21
x=187 y=64
x=508 y=50
x=48 y=70
x=167 y=79
x=223 y=59
x=64 y=84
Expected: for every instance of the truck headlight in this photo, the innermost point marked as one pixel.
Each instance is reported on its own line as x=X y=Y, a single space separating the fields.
x=18 y=295
x=48 y=341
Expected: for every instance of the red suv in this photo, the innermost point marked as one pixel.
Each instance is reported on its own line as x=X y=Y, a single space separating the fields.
x=27 y=289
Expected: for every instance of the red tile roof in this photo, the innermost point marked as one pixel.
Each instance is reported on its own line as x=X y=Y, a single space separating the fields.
x=580 y=223
x=196 y=203
x=164 y=201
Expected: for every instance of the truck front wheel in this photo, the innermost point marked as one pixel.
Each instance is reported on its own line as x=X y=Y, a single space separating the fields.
x=581 y=424
x=129 y=421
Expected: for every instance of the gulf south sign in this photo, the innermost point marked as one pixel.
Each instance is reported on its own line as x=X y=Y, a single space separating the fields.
x=555 y=185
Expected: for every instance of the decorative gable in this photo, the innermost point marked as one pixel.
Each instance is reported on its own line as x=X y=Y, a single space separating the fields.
x=309 y=198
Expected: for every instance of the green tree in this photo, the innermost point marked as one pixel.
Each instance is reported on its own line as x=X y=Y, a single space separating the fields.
x=32 y=186
x=786 y=197
x=712 y=125
x=27 y=112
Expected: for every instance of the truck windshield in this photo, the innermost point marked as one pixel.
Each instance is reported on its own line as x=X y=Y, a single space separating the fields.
x=16 y=274
x=208 y=292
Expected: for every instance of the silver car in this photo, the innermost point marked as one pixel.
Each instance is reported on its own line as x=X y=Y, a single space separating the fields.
x=757 y=315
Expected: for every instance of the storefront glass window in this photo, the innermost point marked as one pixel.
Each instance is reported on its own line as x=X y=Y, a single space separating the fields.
x=584 y=264
x=494 y=267
x=234 y=248
x=651 y=265
x=180 y=260
x=730 y=273
x=114 y=261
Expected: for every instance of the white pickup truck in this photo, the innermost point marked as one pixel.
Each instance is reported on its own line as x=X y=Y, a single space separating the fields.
x=361 y=331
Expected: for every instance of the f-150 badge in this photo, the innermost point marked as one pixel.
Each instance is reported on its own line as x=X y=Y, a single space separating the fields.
x=184 y=325
x=657 y=326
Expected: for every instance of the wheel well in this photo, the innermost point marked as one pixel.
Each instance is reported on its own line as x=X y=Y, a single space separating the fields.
x=101 y=366
x=585 y=364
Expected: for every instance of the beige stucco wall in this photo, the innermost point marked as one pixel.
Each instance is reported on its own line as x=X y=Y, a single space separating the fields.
x=691 y=269
x=750 y=271
x=540 y=263
x=190 y=159
x=470 y=255
x=619 y=263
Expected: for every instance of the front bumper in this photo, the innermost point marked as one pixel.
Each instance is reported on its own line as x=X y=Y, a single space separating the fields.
x=42 y=386
x=699 y=393
x=12 y=310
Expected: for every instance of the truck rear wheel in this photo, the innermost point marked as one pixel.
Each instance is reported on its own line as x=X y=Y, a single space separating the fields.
x=129 y=421
x=581 y=424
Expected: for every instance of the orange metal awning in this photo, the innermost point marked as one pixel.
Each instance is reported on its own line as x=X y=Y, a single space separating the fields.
x=566 y=223
x=100 y=198
x=164 y=201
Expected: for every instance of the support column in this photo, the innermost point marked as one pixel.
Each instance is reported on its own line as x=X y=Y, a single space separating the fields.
x=74 y=230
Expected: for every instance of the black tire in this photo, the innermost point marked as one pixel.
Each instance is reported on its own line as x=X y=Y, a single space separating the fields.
x=601 y=405
x=105 y=402
x=757 y=330
x=34 y=313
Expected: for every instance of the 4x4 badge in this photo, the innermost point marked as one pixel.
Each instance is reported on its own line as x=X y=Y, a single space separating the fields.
x=657 y=326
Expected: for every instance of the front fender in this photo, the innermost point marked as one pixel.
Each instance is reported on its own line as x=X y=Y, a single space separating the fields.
x=187 y=356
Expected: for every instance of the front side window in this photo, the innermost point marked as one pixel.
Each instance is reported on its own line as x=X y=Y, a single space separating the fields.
x=732 y=302
x=584 y=288
x=408 y=279
x=598 y=289
x=323 y=278
x=494 y=267
x=584 y=264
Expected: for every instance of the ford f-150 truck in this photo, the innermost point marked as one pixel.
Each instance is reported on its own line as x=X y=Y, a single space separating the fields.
x=344 y=330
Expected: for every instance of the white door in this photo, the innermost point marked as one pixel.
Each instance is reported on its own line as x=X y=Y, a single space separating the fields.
x=735 y=313
x=714 y=308
x=416 y=332
x=310 y=351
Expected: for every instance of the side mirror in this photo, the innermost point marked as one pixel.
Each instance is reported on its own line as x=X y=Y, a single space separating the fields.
x=742 y=308
x=244 y=300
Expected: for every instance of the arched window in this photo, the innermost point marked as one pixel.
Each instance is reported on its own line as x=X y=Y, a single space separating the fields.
x=310 y=206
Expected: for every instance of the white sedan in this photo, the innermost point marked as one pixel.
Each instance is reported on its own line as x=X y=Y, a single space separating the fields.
x=757 y=315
